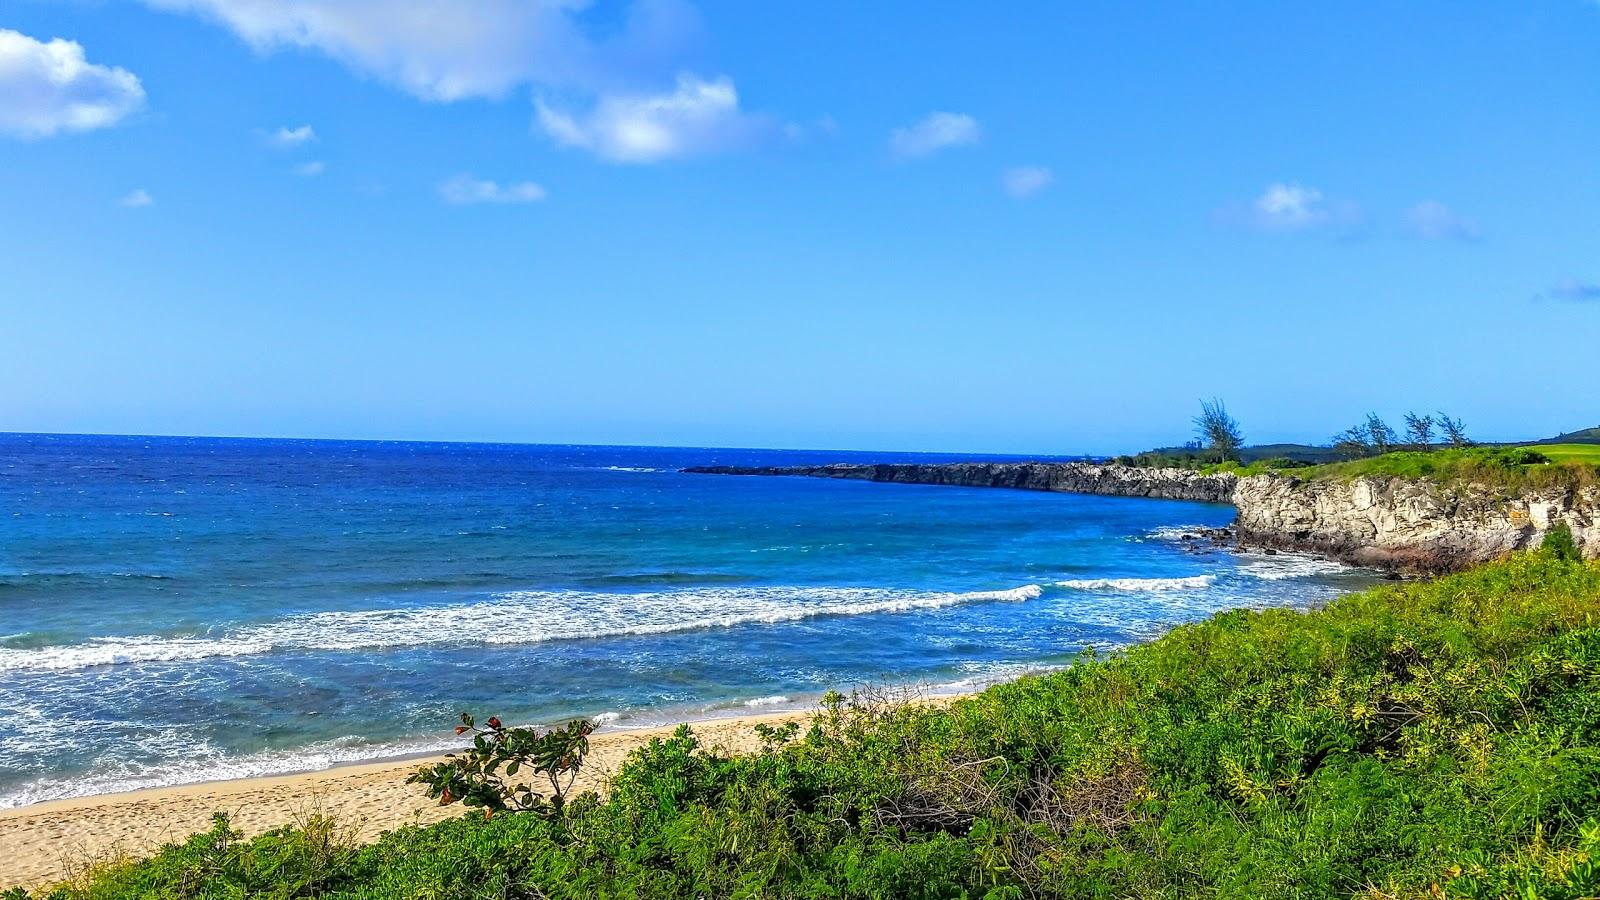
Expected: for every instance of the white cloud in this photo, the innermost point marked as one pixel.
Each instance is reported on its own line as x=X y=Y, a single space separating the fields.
x=137 y=199
x=50 y=87
x=1025 y=181
x=1435 y=221
x=1293 y=207
x=448 y=50
x=1576 y=289
x=292 y=137
x=933 y=133
x=1290 y=207
x=310 y=169
x=697 y=118
x=465 y=189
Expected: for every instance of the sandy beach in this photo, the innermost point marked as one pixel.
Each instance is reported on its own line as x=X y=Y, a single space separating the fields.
x=47 y=841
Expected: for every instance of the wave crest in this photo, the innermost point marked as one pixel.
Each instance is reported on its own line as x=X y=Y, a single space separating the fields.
x=519 y=617
x=1192 y=582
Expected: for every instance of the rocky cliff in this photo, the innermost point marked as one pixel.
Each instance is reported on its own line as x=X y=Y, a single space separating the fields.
x=1409 y=524
x=1391 y=523
x=1077 y=478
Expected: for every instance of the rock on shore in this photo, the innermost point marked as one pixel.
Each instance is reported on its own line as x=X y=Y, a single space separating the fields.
x=1076 y=478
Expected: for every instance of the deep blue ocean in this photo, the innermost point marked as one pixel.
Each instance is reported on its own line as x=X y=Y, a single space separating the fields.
x=185 y=609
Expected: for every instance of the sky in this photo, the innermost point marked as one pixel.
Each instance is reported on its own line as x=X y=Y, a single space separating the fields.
x=1038 y=227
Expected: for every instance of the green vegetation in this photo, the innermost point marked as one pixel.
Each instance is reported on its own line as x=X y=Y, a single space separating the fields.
x=1422 y=739
x=1506 y=468
x=1219 y=446
x=483 y=776
x=1218 y=431
x=1571 y=453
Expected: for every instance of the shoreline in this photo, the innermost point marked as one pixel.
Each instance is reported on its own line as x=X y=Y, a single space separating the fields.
x=51 y=840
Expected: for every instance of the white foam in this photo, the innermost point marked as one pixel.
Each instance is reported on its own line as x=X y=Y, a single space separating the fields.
x=187 y=760
x=1178 y=532
x=1192 y=582
x=520 y=617
x=773 y=700
x=1283 y=566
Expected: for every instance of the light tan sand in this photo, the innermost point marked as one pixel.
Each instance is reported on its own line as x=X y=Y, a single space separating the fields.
x=47 y=841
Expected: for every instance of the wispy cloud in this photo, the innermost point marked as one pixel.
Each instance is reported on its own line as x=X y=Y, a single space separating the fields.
x=1434 y=221
x=465 y=189
x=934 y=132
x=696 y=118
x=49 y=87
x=1288 y=206
x=137 y=199
x=1576 y=289
x=1025 y=181
x=291 y=137
x=310 y=169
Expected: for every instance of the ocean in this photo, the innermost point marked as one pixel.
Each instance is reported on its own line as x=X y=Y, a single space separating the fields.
x=175 y=610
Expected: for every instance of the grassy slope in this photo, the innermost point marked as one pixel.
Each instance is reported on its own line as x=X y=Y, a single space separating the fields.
x=1505 y=467
x=1417 y=737
x=1580 y=453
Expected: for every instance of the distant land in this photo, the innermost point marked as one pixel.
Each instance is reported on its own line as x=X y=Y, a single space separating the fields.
x=1316 y=453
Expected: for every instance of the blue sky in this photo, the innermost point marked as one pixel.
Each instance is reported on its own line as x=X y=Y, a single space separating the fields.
x=1048 y=228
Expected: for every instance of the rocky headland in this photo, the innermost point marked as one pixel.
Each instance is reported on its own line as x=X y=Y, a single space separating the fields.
x=1398 y=524
x=1410 y=524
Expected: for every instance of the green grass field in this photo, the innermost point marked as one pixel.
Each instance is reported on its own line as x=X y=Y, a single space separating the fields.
x=1574 y=453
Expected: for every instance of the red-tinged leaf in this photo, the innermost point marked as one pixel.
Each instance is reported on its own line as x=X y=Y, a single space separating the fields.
x=494 y=721
x=461 y=729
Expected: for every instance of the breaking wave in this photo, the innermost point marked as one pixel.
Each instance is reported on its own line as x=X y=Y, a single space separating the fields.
x=519 y=617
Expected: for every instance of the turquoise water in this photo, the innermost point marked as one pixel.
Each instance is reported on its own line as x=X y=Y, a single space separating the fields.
x=176 y=610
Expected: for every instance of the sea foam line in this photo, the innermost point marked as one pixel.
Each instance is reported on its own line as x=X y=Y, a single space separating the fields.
x=519 y=617
x=1192 y=582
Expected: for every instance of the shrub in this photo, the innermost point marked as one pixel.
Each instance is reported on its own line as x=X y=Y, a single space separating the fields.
x=478 y=776
x=1559 y=544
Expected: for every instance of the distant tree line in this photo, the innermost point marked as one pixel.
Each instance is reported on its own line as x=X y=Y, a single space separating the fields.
x=1375 y=437
x=1220 y=439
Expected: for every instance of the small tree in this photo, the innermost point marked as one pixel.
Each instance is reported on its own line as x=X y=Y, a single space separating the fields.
x=476 y=777
x=1379 y=434
x=1352 y=443
x=1218 y=430
x=1419 y=431
x=1453 y=431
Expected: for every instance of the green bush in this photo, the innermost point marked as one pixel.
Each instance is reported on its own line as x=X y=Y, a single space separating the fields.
x=1559 y=544
x=484 y=774
x=1417 y=740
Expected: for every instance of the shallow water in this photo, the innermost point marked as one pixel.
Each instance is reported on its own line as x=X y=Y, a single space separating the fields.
x=176 y=610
